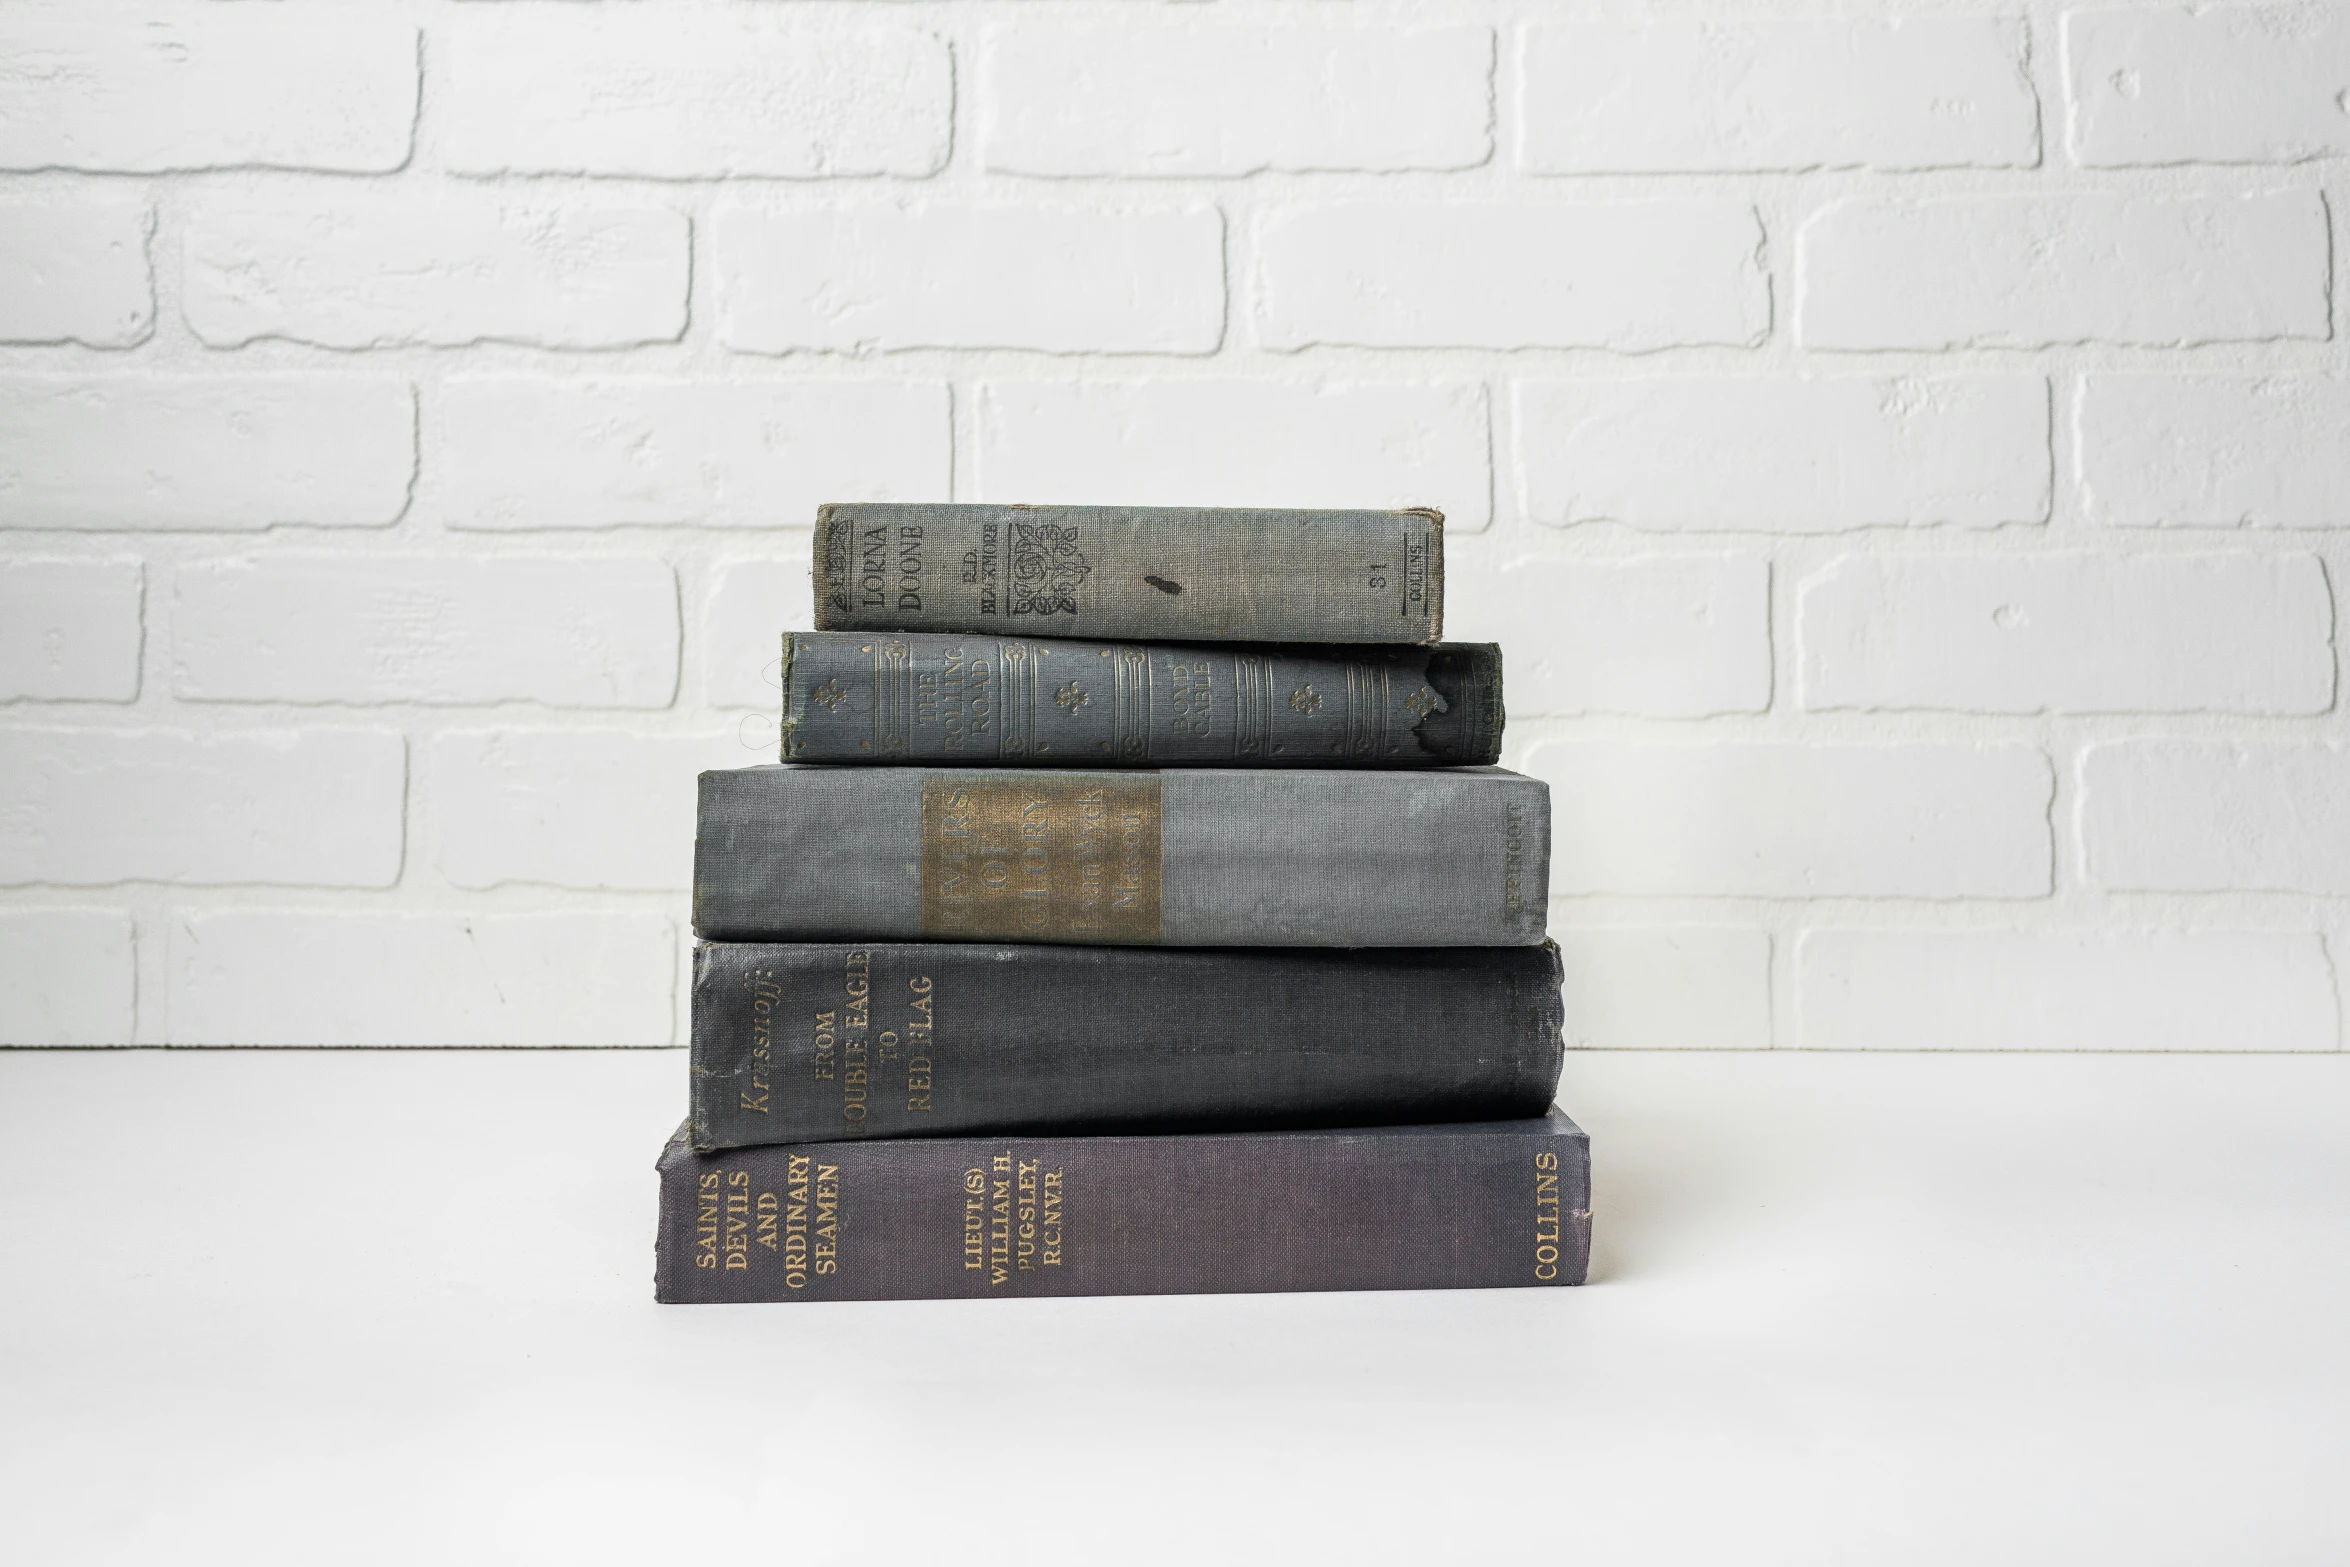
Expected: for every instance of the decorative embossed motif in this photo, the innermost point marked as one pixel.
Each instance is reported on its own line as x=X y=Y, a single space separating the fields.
x=1423 y=702
x=840 y=561
x=1047 y=570
x=1016 y=729
x=1071 y=697
x=1306 y=700
x=829 y=695
x=893 y=697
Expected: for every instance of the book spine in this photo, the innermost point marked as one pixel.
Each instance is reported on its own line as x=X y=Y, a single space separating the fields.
x=964 y=698
x=1153 y=574
x=815 y=1043
x=1490 y=1205
x=1179 y=858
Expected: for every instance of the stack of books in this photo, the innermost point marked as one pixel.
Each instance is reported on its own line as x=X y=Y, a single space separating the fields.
x=1136 y=910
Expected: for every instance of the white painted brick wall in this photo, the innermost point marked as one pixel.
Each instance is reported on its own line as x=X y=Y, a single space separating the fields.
x=2217 y=816
x=1902 y=452
x=447 y=265
x=534 y=89
x=751 y=603
x=529 y=452
x=74 y=270
x=1796 y=820
x=1666 y=987
x=293 y=976
x=1237 y=443
x=1628 y=276
x=2204 y=451
x=126 y=89
x=2064 y=990
x=69 y=629
x=593 y=808
x=66 y=977
x=1663 y=636
x=2229 y=84
x=1785 y=455
x=401 y=628
x=869 y=279
x=2085 y=267
x=308 y=807
x=1198 y=97
x=1671 y=95
x=208 y=454
x=2233 y=633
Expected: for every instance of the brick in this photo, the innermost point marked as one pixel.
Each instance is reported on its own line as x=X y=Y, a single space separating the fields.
x=445 y=266
x=751 y=604
x=69 y=629
x=314 y=807
x=2214 y=816
x=570 y=808
x=2064 y=990
x=1622 y=275
x=2234 y=84
x=66 y=977
x=74 y=270
x=301 y=977
x=1662 y=636
x=1796 y=820
x=874 y=279
x=1666 y=988
x=1206 y=99
x=2070 y=633
x=1670 y=96
x=570 y=632
x=2214 y=451
x=211 y=453
x=552 y=90
x=2037 y=271
x=1786 y=454
x=535 y=453
x=1237 y=443
x=206 y=88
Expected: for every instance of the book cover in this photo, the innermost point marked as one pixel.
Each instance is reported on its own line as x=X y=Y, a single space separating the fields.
x=1139 y=573
x=1490 y=1204
x=814 y=1042
x=954 y=697
x=1179 y=857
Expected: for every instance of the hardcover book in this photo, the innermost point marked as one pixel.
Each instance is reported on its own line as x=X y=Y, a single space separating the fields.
x=1141 y=573
x=1488 y=1204
x=806 y=1043
x=1179 y=858
x=953 y=697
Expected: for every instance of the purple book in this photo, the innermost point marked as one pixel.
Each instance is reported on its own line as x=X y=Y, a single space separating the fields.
x=1482 y=1205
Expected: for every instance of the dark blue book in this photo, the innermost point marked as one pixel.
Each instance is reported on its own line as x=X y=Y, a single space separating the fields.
x=972 y=700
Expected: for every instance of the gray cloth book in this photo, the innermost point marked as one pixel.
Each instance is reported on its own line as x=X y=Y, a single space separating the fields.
x=971 y=699
x=1476 y=1205
x=1179 y=858
x=1139 y=573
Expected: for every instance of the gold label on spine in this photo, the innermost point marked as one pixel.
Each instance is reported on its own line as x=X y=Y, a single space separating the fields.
x=1020 y=856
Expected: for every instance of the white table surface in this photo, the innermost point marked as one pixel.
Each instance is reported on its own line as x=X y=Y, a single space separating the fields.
x=356 y=1307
